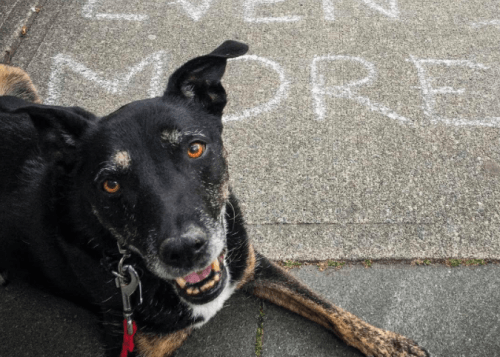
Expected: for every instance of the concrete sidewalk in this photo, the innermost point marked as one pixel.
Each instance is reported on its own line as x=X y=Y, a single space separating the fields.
x=450 y=311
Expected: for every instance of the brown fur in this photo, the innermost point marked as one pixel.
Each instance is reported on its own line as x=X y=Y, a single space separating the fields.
x=15 y=82
x=248 y=274
x=160 y=346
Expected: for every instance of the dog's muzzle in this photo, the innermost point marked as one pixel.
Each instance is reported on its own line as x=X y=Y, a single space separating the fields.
x=205 y=285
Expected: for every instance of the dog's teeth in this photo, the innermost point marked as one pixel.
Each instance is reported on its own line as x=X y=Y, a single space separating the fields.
x=215 y=265
x=217 y=277
x=189 y=291
x=181 y=282
x=196 y=291
x=208 y=285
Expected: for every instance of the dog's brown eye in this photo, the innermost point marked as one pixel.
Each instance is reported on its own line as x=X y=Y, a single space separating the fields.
x=111 y=186
x=196 y=149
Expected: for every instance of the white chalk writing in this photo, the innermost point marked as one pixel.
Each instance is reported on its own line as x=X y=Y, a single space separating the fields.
x=393 y=10
x=495 y=23
x=194 y=11
x=89 y=11
x=347 y=91
x=281 y=93
x=197 y=9
x=117 y=85
x=429 y=92
x=328 y=10
x=249 y=12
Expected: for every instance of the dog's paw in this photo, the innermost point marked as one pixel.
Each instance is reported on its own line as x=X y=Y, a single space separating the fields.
x=394 y=345
x=380 y=343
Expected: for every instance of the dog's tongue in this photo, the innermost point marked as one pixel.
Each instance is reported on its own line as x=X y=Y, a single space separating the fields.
x=194 y=278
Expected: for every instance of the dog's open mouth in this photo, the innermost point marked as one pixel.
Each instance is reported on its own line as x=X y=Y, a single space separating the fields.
x=205 y=285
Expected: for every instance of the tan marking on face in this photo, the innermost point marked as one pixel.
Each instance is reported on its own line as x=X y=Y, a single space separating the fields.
x=122 y=159
x=160 y=346
x=172 y=137
x=248 y=274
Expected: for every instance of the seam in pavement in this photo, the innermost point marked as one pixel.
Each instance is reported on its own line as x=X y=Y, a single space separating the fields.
x=19 y=39
x=463 y=262
x=353 y=223
x=56 y=16
x=259 y=336
x=340 y=224
x=10 y=12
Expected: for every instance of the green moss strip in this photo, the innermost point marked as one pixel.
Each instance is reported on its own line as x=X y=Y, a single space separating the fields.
x=260 y=332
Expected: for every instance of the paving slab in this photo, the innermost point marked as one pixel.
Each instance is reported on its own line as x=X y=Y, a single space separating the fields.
x=376 y=241
x=34 y=323
x=232 y=332
x=449 y=311
x=356 y=128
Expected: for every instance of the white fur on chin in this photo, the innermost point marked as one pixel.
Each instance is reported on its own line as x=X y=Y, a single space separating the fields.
x=208 y=310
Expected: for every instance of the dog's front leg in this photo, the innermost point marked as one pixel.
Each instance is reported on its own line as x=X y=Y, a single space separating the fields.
x=269 y=281
x=160 y=346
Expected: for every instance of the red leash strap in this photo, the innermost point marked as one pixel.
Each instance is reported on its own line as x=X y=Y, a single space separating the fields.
x=128 y=340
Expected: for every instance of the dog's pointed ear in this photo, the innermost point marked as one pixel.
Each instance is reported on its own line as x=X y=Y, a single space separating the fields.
x=60 y=129
x=198 y=80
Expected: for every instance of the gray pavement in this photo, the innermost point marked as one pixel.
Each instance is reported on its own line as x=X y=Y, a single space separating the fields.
x=356 y=129
x=450 y=311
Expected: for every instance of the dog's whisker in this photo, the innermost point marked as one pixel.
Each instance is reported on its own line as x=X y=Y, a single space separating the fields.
x=106 y=300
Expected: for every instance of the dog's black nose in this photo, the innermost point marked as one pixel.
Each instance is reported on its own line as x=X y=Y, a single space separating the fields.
x=183 y=251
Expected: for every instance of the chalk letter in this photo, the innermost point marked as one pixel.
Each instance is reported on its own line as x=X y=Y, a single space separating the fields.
x=249 y=12
x=347 y=91
x=495 y=23
x=429 y=92
x=88 y=11
x=393 y=10
x=112 y=86
x=281 y=93
x=195 y=12
x=328 y=9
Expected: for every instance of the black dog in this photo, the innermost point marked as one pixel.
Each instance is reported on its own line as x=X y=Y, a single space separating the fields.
x=152 y=177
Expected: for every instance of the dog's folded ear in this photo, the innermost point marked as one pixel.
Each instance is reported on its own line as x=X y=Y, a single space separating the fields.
x=59 y=129
x=199 y=79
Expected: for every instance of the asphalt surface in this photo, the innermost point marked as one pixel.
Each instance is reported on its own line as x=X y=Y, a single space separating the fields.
x=356 y=129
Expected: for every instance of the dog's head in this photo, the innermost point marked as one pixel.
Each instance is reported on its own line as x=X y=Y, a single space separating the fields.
x=154 y=174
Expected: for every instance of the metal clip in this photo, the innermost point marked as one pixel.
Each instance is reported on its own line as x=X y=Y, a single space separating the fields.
x=127 y=290
x=127 y=286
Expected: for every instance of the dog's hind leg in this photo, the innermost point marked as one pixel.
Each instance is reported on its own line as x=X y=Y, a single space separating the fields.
x=15 y=82
x=271 y=282
x=160 y=346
